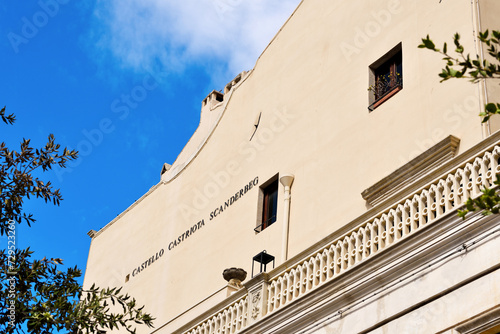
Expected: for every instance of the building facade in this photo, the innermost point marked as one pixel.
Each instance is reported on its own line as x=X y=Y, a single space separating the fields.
x=343 y=158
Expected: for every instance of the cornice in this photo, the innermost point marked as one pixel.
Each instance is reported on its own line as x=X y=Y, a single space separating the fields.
x=133 y=205
x=402 y=177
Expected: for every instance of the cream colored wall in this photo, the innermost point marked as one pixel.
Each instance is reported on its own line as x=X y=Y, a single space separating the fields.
x=312 y=96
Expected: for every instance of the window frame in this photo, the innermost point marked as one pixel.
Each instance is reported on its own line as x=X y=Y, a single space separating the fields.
x=389 y=66
x=268 y=204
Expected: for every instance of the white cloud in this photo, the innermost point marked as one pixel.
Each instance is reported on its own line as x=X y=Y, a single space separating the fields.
x=231 y=33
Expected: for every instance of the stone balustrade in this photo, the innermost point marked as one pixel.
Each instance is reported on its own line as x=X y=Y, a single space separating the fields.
x=228 y=321
x=394 y=224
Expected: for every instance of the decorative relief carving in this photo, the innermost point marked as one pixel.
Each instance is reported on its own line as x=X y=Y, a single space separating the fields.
x=256 y=297
x=255 y=312
x=256 y=305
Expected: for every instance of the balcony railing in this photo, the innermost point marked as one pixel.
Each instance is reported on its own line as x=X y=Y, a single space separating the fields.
x=369 y=238
x=265 y=224
x=385 y=96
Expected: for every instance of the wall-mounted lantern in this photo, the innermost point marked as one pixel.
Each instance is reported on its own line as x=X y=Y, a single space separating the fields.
x=263 y=258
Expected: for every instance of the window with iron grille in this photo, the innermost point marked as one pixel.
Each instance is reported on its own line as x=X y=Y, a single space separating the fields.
x=386 y=77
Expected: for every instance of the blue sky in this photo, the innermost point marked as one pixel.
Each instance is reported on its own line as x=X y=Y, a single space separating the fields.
x=122 y=82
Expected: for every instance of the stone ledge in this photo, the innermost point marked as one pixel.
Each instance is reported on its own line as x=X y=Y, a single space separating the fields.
x=435 y=156
x=481 y=323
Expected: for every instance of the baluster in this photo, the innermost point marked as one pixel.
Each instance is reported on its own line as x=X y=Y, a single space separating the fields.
x=391 y=229
x=298 y=282
x=352 y=249
x=338 y=258
x=331 y=261
x=219 y=324
x=221 y=329
x=478 y=176
x=215 y=323
x=457 y=198
x=495 y=162
x=235 y=317
x=468 y=191
x=317 y=270
x=379 y=235
x=432 y=203
x=360 y=244
x=420 y=204
x=384 y=220
x=345 y=253
x=440 y=198
x=203 y=327
x=291 y=285
x=304 y=277
x=374 y=238
x=278 y=292
x=484 y=162
x=238 y=318
x=211 y=326
x=382 y=231
x=284 y=290
x=426 y=213
x=423 y=207
x=229 y=320
x=270 y=299
x=488 y=166
x=310 y=274
x=245 y=314
x=413 y=206
x=398 y=221
x=224 y=322
x=474 y=178
x=406 y=219
x=324 y=265
x=367 y=241
x=449 y=194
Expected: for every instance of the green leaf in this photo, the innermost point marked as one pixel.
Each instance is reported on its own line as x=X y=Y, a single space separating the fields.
x=491 y=108
x=452 y=72
x=429 y=44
